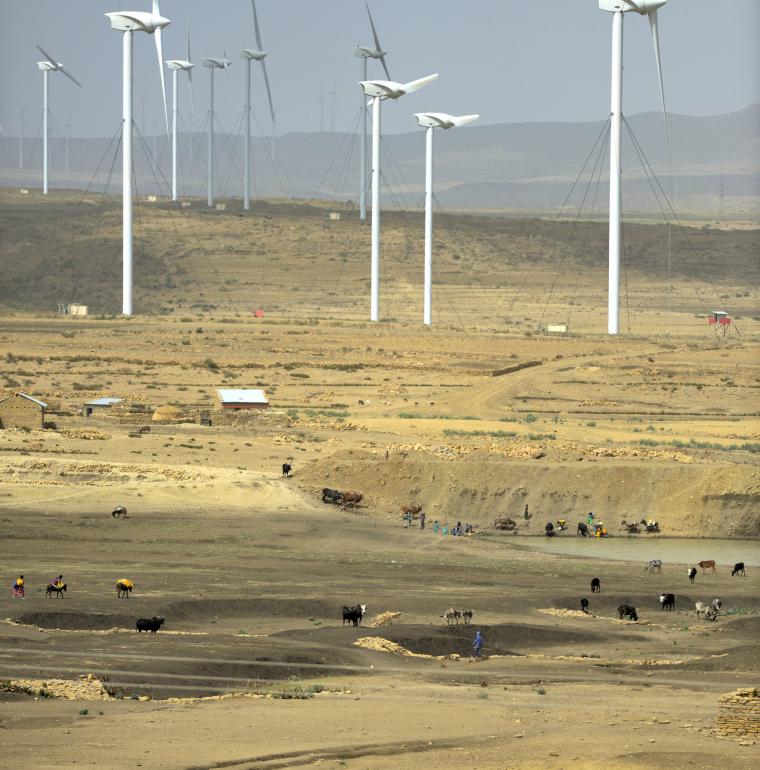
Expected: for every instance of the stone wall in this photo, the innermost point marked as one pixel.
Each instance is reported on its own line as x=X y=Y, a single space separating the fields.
x=19 y=412
x=739 y=713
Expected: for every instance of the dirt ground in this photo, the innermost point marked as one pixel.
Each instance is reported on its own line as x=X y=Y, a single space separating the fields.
x=472 y=419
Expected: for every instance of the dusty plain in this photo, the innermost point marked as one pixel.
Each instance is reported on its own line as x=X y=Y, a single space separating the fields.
x=253 y=668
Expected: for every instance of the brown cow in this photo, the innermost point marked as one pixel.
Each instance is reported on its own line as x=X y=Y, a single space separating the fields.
x=708 y=564
x=352 y=498
x=413 y=509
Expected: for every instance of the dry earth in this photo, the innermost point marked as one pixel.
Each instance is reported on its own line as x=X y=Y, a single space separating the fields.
x=250 y=570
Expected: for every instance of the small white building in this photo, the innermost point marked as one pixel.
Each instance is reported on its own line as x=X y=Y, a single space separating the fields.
x=242 y=399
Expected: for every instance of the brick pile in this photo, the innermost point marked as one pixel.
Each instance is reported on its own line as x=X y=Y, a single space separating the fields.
x=739 y=713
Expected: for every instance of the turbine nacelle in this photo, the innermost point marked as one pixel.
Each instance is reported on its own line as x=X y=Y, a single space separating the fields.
x=365 y=52
x=252 y=54
x=49 y=66
x=443 y=119
x=137 y=21
x=216 y=63
x=179 y=64
x=390 y=89
x=643 y=7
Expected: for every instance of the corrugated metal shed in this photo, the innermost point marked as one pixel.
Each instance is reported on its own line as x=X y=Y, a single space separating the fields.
x=36 y=400
x=105 y=401
x=231 y=398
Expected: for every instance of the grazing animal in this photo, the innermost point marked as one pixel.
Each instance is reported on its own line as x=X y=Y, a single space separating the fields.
x=54 y=589
x=149 y=624
x=738 y=569
x=708 y=564
x=584 y=605
x=354 y=614
x=352 y=498
x=123 y=589
x=451 y=614
x=707 y=610
x=332 y=496
x=667 y=601
x=286 y=469
x=582 y=530
x=411 y=509
x=466 y=616
x=692 y=573
x=119 y=512
x=596 y=586
x=654 y=565
x=626 y=611
x=716 y=605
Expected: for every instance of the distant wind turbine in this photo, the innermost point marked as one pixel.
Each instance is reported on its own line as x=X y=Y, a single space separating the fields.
x=175 y=65
x=364 y=53
x=618 y=8
x=430 y=121
x=380 y=90
x=249 y=55
x=129 y=22
x=213 y=63
x=48 y=66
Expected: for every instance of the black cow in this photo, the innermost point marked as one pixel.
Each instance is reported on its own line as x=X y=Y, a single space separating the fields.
x=692 y=573
x=149 y=624
x=286 y=469
x=584 y=605
x=738 y=569
x=582 y=530
x=667 y=601
x=596 y=586
x=54 y=589
x=626 y=611
x=332 y=496
x=354 y=614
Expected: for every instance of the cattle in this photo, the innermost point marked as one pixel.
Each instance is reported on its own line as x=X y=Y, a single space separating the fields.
x=466 y=616
x=354 y=614
x=286 y=469
x=123 y=589
x=582 y=530
x=352 y=498
x=596 y=586
x=707 y=564
x=119 y=512
x=654 y=565
x=54 y=589
x=716 y=605
x=332 y=496
x=412 y=510
x=451 y=614
x=626 y=611
x=584 y=605
x=738 y=569
x=149 y=624
x=667 y=601
x=692 y=573
x=707 y=610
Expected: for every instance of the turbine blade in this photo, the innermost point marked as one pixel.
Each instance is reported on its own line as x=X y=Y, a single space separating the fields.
x=463 y=120
x=190 y=72
x=414 y=85
x=160 y=53
x=378 y=47
x=156 y=8
x=256 y=26
x=70 y=76
x=269 y=91
x=656 y=41
x=48 y=57
x=385 y=67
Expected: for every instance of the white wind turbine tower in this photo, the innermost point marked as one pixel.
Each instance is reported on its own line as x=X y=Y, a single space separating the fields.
x=213 y=63
x=430 y=121
x=249 y=55
x=380 y=90
x=48 y=66
x=175 y=65
x=618 y=8
x=130 y=22
x=364 y=53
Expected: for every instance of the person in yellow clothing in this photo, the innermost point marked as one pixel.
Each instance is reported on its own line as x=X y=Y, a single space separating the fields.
x=18 y=588
x=124 y=587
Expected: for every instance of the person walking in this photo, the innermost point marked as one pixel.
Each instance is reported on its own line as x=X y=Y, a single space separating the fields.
x=422 y=521
x=477 y=645
x=18 y=588
x=526 y=514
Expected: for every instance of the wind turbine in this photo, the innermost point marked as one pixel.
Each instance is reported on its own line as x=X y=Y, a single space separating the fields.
x=430 y=121
x=130 y=22
x=175 y=65
x=249 y=55
x=213 y=63
x=48 y=66
x=380 y=90
x=618 y=8
x=364 y=53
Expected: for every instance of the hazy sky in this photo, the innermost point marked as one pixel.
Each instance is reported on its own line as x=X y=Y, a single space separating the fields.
x=509 y=60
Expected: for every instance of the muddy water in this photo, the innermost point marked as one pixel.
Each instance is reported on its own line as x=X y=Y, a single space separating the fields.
x=685 y=551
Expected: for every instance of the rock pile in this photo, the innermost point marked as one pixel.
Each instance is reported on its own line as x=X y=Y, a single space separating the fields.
x=86 y=687
x=739 y=712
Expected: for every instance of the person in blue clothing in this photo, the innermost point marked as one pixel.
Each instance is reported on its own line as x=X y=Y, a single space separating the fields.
x=477 y=645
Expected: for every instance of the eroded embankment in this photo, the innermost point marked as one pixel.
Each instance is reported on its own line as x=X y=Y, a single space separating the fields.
x=698 y=499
